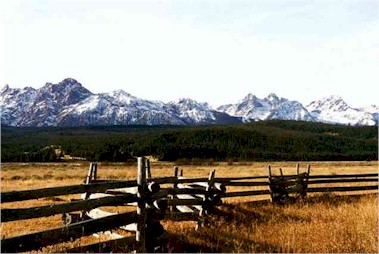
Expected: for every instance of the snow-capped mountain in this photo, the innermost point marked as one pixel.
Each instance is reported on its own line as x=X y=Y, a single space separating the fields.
x=334 y=109
x=252 y=108
x=192 y=112
x=14 y=102
x=68 y=103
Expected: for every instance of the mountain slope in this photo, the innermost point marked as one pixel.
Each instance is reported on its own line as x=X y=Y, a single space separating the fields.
x=334 y=109
x=68 y=103
x=192 y=112
x=13 y=104
x=252 y=108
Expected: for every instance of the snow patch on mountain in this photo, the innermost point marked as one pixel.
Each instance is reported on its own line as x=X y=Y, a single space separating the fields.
x=191 y=111
x=252 y=108
x=68 y=103
x=13 y=102
x=334 y=109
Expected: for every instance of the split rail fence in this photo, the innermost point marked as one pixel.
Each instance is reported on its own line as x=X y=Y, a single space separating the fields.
x=191 y=199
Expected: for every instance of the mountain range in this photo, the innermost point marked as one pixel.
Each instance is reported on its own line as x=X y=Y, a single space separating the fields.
x=68 y=103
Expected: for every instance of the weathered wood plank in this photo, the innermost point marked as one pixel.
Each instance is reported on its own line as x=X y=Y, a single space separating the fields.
x=345 y=188
x=130 y=227
x=178 y=191
x=246 y=193
x=186 y=196
x=98 y=213
x=357 y=180
x=186 y=202
x=191 y=180
x=337 y=176
x=141 y=213
x=36 y=240
x=184 y=209
x=288 y=177
x=172 y=179
x=97 y=195
x=247 y=184
x=160 y=180
x=109 y=234
x=226 y=179
x=218 y=186
x=174 y=186
x=131 y=190
x=13 y=196
x=89 y=178
x=43 y=211
x=147 y=168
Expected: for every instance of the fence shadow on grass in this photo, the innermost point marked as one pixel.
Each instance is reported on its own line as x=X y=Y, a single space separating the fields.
x=228 y=231
x=336 y=200
x=208 y=241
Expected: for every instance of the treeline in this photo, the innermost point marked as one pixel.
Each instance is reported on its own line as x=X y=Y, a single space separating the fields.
x=260 y=141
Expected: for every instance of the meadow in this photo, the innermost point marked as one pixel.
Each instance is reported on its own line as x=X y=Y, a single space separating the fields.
x=323 y=223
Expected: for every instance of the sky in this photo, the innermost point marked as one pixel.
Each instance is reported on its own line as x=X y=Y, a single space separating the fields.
x=214 y=51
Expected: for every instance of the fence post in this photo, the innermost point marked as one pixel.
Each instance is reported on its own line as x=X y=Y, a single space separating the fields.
x=94 y=176
x=90 y=172
x=176 y=171
x=269 y=181
x=147 y=165
x=141 y=208
x=305 y=180
x=298 y=168
x=68 y=218
x=174 y=186
x=206 y=200
x=90 y=175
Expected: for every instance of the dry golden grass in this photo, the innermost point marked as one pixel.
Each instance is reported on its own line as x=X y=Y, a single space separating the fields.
x=321 y=224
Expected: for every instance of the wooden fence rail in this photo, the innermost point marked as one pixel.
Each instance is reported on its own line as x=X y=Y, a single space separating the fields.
x=337 y=176
x=13 y=196
x=43 y=211
x=67 y=233
x=343 y=188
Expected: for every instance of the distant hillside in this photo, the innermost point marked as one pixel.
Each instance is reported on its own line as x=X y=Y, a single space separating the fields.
x=265 y=140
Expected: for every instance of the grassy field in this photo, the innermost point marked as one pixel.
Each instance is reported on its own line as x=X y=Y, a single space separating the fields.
x=324 y=223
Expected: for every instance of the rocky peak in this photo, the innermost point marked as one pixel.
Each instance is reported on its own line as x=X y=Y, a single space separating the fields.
x=68 y=103
x=250 y=97
x=272 y=97
x=333 y=102
x=122 y=97
x=4 y=89
x=190 y=103
x=66 y=92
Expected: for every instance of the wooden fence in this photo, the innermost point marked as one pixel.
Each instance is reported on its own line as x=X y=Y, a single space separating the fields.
x=186 y=199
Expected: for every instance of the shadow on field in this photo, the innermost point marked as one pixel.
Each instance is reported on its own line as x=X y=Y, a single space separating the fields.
x=228 y=231
x=335 y=200
x=233 y=227
x=205 y=241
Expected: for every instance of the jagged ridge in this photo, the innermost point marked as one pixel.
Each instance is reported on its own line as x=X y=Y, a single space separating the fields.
x=68 y=103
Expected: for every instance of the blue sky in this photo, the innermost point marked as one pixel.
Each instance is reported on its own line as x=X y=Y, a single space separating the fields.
x=214 y=51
